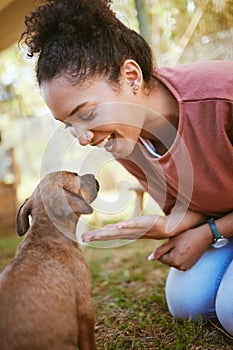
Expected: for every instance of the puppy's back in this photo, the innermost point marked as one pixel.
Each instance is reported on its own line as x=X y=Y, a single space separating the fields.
x=38 y=296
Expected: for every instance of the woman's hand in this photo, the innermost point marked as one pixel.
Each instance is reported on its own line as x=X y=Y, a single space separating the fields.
x=148 y=226
x=184 y=250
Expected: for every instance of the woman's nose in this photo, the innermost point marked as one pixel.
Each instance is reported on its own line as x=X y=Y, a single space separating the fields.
x=86 y=138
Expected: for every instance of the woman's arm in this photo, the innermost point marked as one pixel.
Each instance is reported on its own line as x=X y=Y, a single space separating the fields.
x=225 y=225
x=181 y=219
x=183 y=250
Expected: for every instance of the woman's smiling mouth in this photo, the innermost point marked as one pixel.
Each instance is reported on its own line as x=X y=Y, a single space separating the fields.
x=106 y=143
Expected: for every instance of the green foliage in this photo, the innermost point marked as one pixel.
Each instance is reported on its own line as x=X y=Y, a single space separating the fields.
x=180 y=26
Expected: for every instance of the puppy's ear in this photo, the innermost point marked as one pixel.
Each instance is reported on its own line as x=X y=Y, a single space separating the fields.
x=77 y=203
x=22 y=218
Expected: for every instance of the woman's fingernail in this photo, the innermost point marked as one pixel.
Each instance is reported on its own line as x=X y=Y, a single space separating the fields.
x=119 y=226
x=151 y=257
x=85 y=238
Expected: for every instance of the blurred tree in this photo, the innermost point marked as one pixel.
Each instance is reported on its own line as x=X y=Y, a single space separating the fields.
x=144 y=20
x=178 y=24
x=19 y=93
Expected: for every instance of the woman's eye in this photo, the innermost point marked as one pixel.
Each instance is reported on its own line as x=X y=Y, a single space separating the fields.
x=71 y=129
x=87 y=117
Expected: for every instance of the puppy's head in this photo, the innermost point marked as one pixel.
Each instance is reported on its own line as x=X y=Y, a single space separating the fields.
x=61 y=196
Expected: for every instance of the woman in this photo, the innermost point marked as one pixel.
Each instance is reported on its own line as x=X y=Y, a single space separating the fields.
x=172 y=128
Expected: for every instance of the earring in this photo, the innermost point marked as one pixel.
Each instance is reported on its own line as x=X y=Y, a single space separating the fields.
x=135 y=89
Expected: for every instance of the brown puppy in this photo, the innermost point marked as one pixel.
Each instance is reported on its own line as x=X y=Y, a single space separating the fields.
x=45 y=292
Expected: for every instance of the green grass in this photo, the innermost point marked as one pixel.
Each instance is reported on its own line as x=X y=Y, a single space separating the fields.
x=131 y=310
x=130 y=305
x=8 y=246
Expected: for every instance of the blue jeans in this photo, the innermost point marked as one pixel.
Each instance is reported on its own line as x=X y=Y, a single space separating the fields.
x=206 y=289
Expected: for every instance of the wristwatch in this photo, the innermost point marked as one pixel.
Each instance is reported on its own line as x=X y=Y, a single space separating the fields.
x=219 y=240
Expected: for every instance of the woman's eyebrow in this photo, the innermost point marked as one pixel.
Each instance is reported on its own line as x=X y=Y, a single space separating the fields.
x=77 y=108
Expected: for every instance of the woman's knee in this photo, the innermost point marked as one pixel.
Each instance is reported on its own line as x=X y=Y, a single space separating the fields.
x=186 y=296
x=224 y=301
x=193 y=292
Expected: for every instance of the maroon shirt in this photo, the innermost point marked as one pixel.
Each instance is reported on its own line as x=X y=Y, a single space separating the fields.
x=198 y=168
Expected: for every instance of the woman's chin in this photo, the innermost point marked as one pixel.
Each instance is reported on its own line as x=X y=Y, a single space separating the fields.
x=123 y=148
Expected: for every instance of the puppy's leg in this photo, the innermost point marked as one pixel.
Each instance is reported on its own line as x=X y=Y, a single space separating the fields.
x=86 y=331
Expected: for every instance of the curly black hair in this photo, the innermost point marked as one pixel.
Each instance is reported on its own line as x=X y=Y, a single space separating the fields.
x=80 y=38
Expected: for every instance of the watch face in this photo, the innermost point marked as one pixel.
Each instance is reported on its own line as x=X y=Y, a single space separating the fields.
x=221 y=242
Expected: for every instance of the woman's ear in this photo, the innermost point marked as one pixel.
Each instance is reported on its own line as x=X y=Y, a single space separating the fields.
x=22 y=218
x=133 y=74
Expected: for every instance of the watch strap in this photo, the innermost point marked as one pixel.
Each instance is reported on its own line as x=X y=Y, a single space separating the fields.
x=215 y=232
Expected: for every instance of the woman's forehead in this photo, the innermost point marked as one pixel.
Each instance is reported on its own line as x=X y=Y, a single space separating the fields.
x=63 y=98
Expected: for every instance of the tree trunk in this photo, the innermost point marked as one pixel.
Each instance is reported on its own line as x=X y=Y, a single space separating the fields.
x=143 y=20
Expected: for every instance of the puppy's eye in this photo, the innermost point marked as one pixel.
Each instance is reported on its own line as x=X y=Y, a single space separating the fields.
x=70 y=128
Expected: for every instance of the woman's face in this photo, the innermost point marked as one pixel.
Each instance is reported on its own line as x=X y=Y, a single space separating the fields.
x=96 y=113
